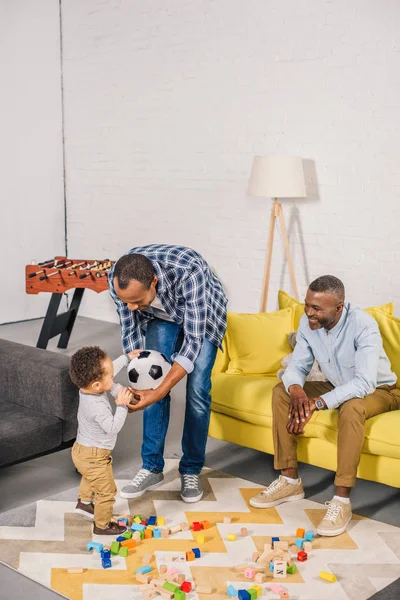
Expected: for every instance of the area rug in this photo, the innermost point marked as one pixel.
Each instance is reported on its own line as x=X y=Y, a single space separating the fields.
x=44 y=539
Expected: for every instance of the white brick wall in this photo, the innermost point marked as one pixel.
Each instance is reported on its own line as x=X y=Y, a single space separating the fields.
x=167 y=102
x=31 y=180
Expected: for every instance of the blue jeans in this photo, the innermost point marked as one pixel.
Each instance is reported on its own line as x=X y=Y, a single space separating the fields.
x=167 y=337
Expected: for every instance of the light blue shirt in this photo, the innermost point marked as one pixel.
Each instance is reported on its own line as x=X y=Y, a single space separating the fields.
x=350 y=355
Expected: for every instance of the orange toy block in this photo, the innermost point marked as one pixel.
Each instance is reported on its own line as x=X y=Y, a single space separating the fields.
x=205 y=524
x=148 y=534
x=129 y=543
x=300 y=533
x=190 y=555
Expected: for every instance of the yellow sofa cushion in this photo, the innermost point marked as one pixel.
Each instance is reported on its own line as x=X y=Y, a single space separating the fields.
x=257 y=342
x=286 y=301
x=389 y=327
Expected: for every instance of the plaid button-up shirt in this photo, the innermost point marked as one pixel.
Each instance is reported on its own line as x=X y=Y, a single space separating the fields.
x=191 y=295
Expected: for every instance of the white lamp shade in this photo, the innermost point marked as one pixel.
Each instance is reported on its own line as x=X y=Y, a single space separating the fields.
x=277 y=177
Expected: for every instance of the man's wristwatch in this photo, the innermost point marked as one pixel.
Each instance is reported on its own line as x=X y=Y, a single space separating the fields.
x=319 y=405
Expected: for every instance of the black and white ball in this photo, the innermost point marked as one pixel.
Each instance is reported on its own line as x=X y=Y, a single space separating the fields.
x=148 y=370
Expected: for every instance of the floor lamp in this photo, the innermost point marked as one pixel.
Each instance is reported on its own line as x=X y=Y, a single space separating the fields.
x=277 y=177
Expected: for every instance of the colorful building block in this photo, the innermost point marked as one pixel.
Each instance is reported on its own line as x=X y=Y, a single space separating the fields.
x=186 y=586
x=261 y=578
x=123 y=521
x=299 y=542
x=137 y=519
x=127 y=535
x=258 y=589
x=231 y=537
x=190 y=555
x=157 y=533
x=302 y=556
x=175 y=528
x=196 y=552
x=179 y=595
x=120 y=538
x=196 y=526
x=276 y=588
x=272 y=566
x=327 y=576
x=129 y=544
x=200 y=538
x=300 y=533
x=105 y=553
x=106 y=563
x=250 y=573
x=94 y=546
x=123 y=551
x=231 y=591
x=160 y=521
x=148 y=534
x=309 y=536
x=307 y=546
x=114 y=547
x=252 y=593
x=137 y=527
x=280 y=567
x=171 y=587
x=205 y=524
x=152 y=520
x=291 y=569
x=145 y=569
x=244 y=595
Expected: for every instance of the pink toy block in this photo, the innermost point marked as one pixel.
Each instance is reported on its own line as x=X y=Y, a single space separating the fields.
x=249 y=573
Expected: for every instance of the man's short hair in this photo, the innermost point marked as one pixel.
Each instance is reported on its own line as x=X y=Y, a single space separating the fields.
x=330 y=285
x=86 y=366
x=135 y=267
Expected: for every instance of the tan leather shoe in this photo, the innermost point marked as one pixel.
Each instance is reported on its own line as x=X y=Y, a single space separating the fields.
x=277 y=492
x=336 y=519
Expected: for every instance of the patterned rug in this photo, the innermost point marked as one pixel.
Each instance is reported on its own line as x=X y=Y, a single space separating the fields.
x=44 y=539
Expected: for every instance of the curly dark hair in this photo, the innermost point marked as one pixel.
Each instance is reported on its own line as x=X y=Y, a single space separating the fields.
x=86 y=366
x=329 y=284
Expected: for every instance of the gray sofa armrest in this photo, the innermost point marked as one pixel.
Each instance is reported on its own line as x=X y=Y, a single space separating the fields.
x=38 y=379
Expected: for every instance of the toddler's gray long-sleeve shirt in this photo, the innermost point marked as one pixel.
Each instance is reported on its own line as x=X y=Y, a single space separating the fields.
x=97 y=425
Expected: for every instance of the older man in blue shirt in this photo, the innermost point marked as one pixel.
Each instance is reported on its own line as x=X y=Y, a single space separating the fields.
x=348 y=347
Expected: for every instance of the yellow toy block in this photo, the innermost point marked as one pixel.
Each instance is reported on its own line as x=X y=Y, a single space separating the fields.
x=258 y=589
x=137 y=520
x=328 y=576
x=200 y=539
x=160 y=521
x=231 y=537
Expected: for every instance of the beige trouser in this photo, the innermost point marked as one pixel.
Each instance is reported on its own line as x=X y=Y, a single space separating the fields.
x=352 y=416
x=95 y=466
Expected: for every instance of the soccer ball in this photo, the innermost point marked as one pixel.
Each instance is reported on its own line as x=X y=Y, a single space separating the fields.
x=148 y=370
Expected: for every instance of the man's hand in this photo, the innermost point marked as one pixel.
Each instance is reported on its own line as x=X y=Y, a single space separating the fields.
x=134 y=353
x=297 y=428
x=123 y=397
x=143 y=398
x=299 y=408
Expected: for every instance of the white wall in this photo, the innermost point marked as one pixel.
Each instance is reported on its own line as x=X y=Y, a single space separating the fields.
x=167 y=102
x=31 y=180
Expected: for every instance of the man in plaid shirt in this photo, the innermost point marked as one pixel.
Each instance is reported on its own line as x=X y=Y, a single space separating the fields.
x=169 y=295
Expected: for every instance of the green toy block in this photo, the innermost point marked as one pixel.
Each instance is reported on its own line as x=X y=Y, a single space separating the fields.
x=291 y=570
x=179 y=595
x=127 y=535
x=123 y=551
x=114 y=548
x=141 y=535
x=171 y=587
x=253 y=593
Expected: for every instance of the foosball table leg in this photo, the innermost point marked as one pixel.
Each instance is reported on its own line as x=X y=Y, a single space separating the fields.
x=63 y=323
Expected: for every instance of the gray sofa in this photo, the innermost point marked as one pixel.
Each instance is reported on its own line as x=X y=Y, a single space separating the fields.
x=38 y=402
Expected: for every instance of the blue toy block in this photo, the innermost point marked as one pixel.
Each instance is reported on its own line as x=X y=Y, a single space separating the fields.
x=94 y=546
x=275 y=539
x=137 y=527
x=271 y=566
x=156 y=533
x=121 y=538
x=299 y=542
x=106 y=563
x=244 y=595
x=105 y=554
x=309 y=536
x=231 y=591
x=152 y=521
x=196 y=552
x=124 y=520
x=144 y=570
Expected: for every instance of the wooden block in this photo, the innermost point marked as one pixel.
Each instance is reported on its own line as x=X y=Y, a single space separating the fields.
x=267 y=547
x=261 y=577
x=241 y=567
x=135 y=536
x=227 y=520
x=280 y=567
x=307 y=546
x=149 y=594
x=158 y=582
x=256 y=556
x=243 y=531
x=181 y=579
x=163 y=568
x=75 y=570
x=204 y=589
x=175 y=529
x=165 y=593
x=164 y=533
x=143 y=577
x=146 y=559
x=184 y=526
x=282 y=545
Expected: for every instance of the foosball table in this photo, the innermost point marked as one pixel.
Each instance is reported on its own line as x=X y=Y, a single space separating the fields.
x=57 y=276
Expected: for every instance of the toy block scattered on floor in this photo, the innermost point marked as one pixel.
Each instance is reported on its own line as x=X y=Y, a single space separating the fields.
x=165 y=593
x=302 y=556
x=180 y=580
x=309 y=536
x=157 y=533
x=243 y=531
x=164 y=533
x=196 y=552
x=171 y=587
x=276 y=588
x=275 y=539
x=94 y=546
x=300 y=533
x=190 y=555
x=127 y=535
x=280 y=567
x=175 y=529
x=250 y=573
x=145 y=569
x=205 y=524
x=200 y=538
x=327 y=576
x=115 y=547
x=160 y=521
x=231 y=537
x=123 y=521
x=227 y=521
x=231 y=591
x=240 y=567
x=184 y=526
x=152 y=520
x=179 y=595
x=123 y=551
x=307 y=546
x=282 y=545
x=143 y=577
x=106 y=563
x=136 y=536
x=163 y=569
x=186 y=586
x=261 y=577
x=196 y=526
x=299 y=542
x=255 y=556
x=128 y=544
x=291 y=569
x=75 y=570
x=244 y=595
x=137 y=527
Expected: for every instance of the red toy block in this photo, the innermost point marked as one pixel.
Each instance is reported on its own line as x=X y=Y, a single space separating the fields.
x=302 y=556
x=186 y=586
x=143 y=522
x=196 y=526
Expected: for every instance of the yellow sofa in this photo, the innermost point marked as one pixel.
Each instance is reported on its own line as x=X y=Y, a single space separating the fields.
x=241 y=400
